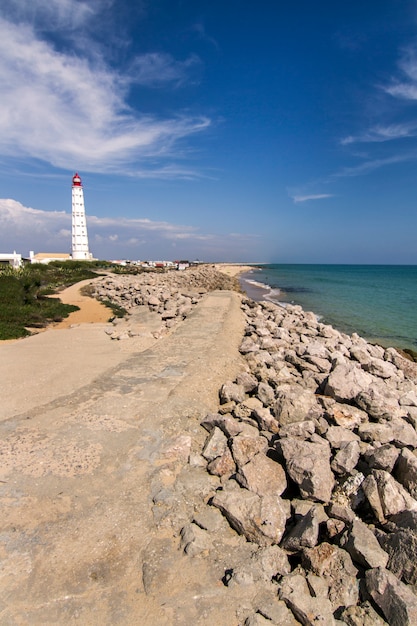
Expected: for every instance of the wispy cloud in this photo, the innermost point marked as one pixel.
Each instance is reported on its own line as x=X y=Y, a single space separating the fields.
x=405 y=87
x=317 y=196
x=156 y=69
x=66 y=108
x=379 y=134
x=374 y=164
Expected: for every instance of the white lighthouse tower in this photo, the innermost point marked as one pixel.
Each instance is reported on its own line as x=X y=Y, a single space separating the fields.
x=79 y=225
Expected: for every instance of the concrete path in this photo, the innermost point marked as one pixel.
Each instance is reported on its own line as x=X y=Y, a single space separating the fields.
x=95 y=483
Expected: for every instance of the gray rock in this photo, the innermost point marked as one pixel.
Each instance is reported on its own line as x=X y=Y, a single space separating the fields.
x=379 y=402
x=406 y=471
x=216 y=444
x=266 y=394
x=370 y=489
x=406 y=519
x=208 y=519
x=276 y=611
x=303 y=430
x=295 y=592
x=293 y=404
x=376 y=432
x=383 y=458
x=300 y=508
x=244 y=448
x=404 y=433
x=305 y=533
x=226 y=423
x=316 y=349
x=308 y=465
x=401 y=547
x=395 y=599
x=346 y=459
x=381 y=368
x=347 y=416
x=344 y=513
x=231 y=392
x=360 y=354
x=260 y=519
x=346 y=382
x=335 y=566
x=195 y=540
x=266 y=420
x=223 y=465
x=409 y=398
x=362 y=615
x=248 y=345
x=363 y=546
x=263 y=476
x=263 y=565
x=338 y=436
x=247 y=381
x=389 y=498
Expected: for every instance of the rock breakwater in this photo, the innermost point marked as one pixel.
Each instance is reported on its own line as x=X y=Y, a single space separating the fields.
x=315 y=447
x=171 y=294
x=312 y=460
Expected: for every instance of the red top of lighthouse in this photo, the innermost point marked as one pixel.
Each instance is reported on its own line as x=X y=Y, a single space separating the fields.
x=76 y=181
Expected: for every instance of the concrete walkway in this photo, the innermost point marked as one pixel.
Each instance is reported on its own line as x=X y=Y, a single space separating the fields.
x=95 y=483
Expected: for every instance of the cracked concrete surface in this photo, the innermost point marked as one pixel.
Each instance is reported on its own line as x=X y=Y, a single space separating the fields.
x=95 y=479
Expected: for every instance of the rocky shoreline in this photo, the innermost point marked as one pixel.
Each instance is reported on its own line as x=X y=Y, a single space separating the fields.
x=311 y=457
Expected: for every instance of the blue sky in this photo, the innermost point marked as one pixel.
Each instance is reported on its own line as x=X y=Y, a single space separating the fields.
x=224 y=130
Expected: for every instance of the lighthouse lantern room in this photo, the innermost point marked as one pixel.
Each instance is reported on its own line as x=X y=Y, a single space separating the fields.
x=79 y=225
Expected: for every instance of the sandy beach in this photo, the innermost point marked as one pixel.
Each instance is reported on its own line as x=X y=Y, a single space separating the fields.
x=233 y=269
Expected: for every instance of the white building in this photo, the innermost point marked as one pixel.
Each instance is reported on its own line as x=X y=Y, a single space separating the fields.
x=14 y=259
x=79 y=225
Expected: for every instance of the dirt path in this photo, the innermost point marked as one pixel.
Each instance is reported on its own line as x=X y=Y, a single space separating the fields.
x=91 y=310
x=66 y=356
x=96 y=486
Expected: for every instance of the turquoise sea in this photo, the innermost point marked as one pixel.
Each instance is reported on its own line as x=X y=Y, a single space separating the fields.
x=379 y=302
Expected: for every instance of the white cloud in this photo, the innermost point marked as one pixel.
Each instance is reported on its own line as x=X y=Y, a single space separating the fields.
x=66 y=108
x=24 y=228
x=306 y=198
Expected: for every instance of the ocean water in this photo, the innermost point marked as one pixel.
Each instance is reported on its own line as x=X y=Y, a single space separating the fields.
x=379 y=302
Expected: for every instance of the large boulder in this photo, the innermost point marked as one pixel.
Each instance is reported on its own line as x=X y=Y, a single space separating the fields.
x=335 y=566
x=395 y=599
x=346 y=382
x=308 y=465
x=260 y=519
x=386 y=496
x=363 y=546
x=308 y=609
x=263 y=476
x=401 y=546
x=406 y=471
x=294 y=404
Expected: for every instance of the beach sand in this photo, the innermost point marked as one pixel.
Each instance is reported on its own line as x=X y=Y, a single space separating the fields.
x=233 y=269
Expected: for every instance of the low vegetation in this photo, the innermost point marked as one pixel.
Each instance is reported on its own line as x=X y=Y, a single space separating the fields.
x=24 y=301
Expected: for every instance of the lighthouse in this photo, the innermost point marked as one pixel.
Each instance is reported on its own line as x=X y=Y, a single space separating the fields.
x=79 y=225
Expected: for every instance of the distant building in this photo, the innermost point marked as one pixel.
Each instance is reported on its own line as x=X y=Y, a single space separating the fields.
x=80 y=249
x=13 y=259
x=47 y=257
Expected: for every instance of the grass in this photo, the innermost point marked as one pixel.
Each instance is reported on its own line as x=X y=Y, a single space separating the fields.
x=24 y=294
